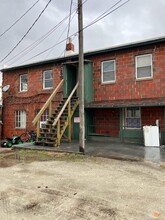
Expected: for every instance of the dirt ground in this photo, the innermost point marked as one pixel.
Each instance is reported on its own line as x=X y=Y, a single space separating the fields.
x=65 y=187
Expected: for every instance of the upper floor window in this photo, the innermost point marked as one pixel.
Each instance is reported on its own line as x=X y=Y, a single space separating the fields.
x=133 y=117
x=20 y=119
x=144 y=67
x=48 y=79
x=23 y=83
x=108 y=71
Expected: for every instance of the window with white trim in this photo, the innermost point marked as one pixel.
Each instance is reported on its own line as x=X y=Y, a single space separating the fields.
x=20 y=119
x=48 y=79
x=108 y=71
x=144 y=66
x=133 y=117
x=23 y=83
x=44 y=117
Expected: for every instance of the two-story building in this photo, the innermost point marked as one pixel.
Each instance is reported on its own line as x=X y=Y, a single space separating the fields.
x=124 y=91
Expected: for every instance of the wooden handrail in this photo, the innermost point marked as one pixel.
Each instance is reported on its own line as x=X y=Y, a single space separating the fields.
x=66 y=103
x=45 y=106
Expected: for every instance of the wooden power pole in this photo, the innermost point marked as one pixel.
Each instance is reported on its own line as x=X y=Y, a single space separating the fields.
x=81 y=79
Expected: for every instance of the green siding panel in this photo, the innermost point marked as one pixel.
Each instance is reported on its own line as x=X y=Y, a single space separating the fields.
x=70 y=75
x=88 y=83
x=70 y=79
x=75 y=126
x=133 y=136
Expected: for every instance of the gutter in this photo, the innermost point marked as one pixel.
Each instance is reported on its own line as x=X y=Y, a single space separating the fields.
x=92 y=53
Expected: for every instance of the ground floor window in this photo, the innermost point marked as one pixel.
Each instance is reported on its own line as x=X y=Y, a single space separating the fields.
x=20 y=119
x=44 y=117
x=133 y=117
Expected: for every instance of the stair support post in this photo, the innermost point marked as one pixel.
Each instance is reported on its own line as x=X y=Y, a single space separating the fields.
x=58 y=132
x=38 y=129
x=69 y=122
x=50 y=109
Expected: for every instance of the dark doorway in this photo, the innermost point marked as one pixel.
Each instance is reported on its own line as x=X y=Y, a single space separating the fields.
x=70 y=77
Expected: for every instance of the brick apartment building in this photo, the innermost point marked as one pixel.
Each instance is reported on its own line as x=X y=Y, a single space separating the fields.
x=124 y=90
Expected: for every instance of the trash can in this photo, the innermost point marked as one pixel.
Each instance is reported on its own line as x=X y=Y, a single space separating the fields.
x=151 y=136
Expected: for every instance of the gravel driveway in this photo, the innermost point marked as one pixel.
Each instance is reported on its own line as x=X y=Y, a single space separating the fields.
x=89 y=189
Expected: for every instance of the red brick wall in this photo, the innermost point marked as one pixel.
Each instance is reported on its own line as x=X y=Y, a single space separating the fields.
x=126 y=85
x=1 y=122
x=149 y=115
x=29 y=101
x=107 y=121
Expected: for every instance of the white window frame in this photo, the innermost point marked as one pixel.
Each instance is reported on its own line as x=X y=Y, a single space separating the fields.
x=20 y=119
x=44 y=117
x=21 y=87
x=125 y=118
x=44 y=80
x=102 y=71
x=151 y=65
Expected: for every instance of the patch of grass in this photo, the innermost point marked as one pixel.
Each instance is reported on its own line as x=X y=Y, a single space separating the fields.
x=35 y=155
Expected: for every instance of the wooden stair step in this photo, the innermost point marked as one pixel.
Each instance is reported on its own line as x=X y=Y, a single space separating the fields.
x=46 y=139
x=53 y=130
x=47 y=133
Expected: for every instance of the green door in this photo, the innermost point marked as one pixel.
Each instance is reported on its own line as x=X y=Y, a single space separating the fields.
x=70 y=75
x=70 y=78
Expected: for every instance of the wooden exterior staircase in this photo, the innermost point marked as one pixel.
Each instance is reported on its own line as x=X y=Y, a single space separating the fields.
x=59 y=120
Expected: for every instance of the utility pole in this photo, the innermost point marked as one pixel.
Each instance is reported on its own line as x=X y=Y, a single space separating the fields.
x=81 y=79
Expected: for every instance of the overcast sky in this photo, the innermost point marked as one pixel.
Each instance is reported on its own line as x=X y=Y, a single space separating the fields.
x=135 y=21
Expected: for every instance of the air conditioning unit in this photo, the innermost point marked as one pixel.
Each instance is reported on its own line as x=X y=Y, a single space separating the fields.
x=42 y=124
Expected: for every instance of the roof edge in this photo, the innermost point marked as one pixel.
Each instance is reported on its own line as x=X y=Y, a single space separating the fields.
x=91 y=53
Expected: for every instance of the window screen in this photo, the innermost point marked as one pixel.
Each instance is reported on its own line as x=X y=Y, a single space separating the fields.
x=47 y=79
x=144 y=66
x=20 y=119
x=108 y=71
x=23 y=82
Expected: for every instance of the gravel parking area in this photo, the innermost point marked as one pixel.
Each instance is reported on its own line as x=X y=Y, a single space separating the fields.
x=84 y=188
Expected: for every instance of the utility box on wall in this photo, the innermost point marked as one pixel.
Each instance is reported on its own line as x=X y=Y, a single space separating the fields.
x=151 y=136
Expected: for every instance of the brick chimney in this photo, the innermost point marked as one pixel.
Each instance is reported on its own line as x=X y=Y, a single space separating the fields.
x=69 y=47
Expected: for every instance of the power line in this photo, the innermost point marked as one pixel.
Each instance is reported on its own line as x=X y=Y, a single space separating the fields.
x=18 y=19
x=105 y=15
x=69 y=19
x=107 y=10
x=37 y=42
x=100 y=17
x=62 y=34
x=26 y=32
x=71 y=3
x=65 y=49
x=49 y=48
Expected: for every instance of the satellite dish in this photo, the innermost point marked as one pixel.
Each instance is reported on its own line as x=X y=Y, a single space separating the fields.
x=6 y=88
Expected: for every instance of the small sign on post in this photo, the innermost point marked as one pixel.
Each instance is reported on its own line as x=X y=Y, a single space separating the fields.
x=76 y=119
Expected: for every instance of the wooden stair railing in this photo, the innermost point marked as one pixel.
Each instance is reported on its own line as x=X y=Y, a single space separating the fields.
x=56 y=122
x=48 y=133
x=48 y=104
